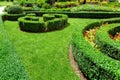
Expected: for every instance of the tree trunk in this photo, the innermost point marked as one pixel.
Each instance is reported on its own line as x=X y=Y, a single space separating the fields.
x=84 y=2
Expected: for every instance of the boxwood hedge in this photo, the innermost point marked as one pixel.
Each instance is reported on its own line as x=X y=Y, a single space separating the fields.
x=12 y=17
x=82 y=14
x=106 y=44
x=93 y=63
x=32 y=23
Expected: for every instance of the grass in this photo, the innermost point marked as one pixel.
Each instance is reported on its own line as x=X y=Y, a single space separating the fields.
x=10 y=66
x=45 y=55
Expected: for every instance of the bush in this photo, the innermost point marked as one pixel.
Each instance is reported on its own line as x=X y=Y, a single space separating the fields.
x=59 y=22
x=106 y=44
x=52 y=22
x=56 y=9
x=94 y=64
x=12 y=17
x=31 y=25
x=31 y=14
x=94 y=15
x=47 y=17
x=46 y=6
x=27 y=8
x=15 y=10
x=28 y=4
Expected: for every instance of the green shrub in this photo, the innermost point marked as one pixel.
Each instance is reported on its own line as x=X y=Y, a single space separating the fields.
x=39 y=4
x=52 y=22
x=28 y=4
x=94 y=15
x=46 y=6
x=27 y=8
x=51 y=25
x=12 y=17
x=31 y=25
x=15 y=10
x=47 y=17
x=94 y=64
x=106 y=44
x=31 y=14
x=59 y=22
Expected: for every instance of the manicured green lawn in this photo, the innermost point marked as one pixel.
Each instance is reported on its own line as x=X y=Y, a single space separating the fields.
x=45 y=55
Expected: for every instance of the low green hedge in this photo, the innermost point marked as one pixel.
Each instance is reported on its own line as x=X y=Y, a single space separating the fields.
x=31 y=14
x=32 y=23
x=10 y=65
x=87 y=14
x=94 y=64
x=106 y=44
x=47 y=17
x=59 y=22
x=12 y=17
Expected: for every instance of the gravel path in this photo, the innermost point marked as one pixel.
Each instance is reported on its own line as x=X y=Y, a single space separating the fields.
x=75 y=66
x=1 y=9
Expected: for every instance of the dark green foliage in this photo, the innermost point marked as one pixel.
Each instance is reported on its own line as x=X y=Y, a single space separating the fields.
x=31 y=14
x=10 y=66
x=47 y=17
x=15 y=10
x=56 y=9
x=52 y=22
x=94 y=64
x=51 y=25
x=28 y=4
x=59 y=22
x=12 y=17
x=97 y=15
x=31 y=24
x=106 y=44
x=46 y=6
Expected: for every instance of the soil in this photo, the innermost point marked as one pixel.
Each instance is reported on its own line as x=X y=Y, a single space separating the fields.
x=74 y=65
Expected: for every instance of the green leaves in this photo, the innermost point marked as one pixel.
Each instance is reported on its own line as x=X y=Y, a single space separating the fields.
x=93 y=63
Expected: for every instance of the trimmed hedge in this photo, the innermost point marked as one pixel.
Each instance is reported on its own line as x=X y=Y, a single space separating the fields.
x=94 y=64
x=12 y=17
x=106 y=44
x=31 y=14
x=47 y=17
x=15 y=10
x=32 y=23
x=10 y=65
x=59 y=22
x=84 y=14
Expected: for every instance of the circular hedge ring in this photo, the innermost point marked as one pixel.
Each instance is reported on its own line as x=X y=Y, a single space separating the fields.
x=50 y=22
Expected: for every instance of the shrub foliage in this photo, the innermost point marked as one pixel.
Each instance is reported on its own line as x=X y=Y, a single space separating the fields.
x=52 y=22
x=93 y=63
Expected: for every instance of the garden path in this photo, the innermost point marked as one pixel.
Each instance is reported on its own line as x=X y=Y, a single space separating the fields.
x=1 y=9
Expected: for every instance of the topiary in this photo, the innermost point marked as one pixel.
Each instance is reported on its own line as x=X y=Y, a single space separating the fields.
x=15 y=10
